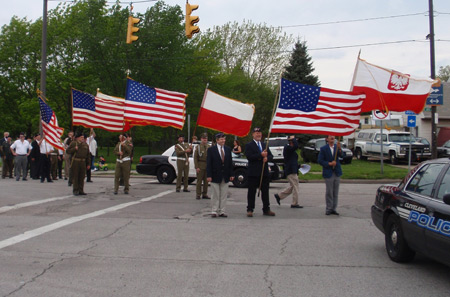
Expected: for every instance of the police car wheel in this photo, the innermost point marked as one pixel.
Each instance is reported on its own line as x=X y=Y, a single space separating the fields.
x=240 y=178
x=165 y=175
x=396 y=246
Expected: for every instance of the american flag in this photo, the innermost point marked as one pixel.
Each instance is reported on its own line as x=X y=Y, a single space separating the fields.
x=101 y=111
x=52 y=132
x=314 y=110
x=152 y=106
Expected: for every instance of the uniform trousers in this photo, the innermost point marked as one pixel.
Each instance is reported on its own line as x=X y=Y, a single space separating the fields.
x=332 y=192
x=67 y=158
x=293 y=189
x=54 y=166
x=122 y=172
x=78 y=171
x=7 y=168
x=202 y=183
x=253 y=185
x=20 y=166
x=183 y=171
x=219 y=193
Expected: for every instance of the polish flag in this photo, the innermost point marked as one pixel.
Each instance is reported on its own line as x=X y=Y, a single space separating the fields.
x=226 y=115
x=390 y=90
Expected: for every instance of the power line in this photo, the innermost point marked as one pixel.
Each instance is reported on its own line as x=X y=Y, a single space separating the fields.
x=358 y=20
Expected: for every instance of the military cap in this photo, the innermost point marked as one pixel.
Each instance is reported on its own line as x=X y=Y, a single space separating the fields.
x=256 y=129
x=204 y=135
x=220 y=135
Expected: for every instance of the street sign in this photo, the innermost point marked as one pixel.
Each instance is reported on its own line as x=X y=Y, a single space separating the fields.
x=427 y=109
x=380 y=115
x=411 y=121
x=409 y=112
x=436 y=96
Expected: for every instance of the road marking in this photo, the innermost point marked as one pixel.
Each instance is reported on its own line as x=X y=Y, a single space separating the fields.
x=32 y=203
x=42 y=230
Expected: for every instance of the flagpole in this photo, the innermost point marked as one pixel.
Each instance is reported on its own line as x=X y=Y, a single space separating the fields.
x=354 y=72
x=201 y=107
x=277 y=97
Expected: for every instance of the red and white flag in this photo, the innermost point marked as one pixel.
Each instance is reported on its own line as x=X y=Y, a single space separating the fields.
x=226 y=115
x=390 y=90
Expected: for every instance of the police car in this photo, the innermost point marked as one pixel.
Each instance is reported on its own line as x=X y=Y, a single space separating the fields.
x=164 y=166
x=415 y=214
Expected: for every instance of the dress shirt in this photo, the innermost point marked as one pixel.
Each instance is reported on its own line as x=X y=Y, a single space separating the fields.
x=21 y=147
x=45 y=148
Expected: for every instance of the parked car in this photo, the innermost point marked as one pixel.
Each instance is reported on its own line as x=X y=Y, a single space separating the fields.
x=164 y=167
x=276 y=146
x=444 y=151
x=414 y=215
x=311 y=150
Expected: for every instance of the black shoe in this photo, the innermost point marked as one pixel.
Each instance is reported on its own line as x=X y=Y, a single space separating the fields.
x=186 y=191
x=178 y=191
x=198 y=197
x=126 y=192
x=76 y=193
x=296 y=206
x=83 y=193
x=334 y=212
x=69 y=184
x=49 y=181
x=65 y=178
x=206 y=197
x=328 y=212
x=24 y=179
x=278 y=199
x=115 y=193
x=88 y=181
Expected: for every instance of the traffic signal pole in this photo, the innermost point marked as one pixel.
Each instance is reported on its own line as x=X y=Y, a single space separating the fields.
x=433 y=76
x=43 y=56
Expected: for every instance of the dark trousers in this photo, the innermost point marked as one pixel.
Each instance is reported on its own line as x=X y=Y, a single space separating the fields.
x=34 y=168
x=253 y=186
x=88 y=171
x=60 y=162
x=45 y=164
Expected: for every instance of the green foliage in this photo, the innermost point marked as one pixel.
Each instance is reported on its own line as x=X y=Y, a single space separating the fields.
x=444 y=73
x=300 y=66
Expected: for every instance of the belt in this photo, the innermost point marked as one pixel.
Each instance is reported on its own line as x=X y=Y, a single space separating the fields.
x=21 y=155
x=79 y=159
x=123 y=160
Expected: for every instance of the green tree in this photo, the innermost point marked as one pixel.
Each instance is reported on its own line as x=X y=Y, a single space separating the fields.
x=300 y=68
x=444 y=73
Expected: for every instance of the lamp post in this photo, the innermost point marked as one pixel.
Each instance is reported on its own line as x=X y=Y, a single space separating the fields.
x=43 y=55
x=433 y=76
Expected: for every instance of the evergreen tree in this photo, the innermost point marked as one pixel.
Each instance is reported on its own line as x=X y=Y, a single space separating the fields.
x=300 y=70
x=300 y=67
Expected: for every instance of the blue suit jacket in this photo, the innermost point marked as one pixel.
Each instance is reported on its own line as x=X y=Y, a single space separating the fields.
x=214 y=167
x=290 y=158
x=325 y=157
x=255 y=160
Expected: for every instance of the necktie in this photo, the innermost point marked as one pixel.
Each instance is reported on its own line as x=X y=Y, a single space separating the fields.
x=259 y=145
x=223 y=154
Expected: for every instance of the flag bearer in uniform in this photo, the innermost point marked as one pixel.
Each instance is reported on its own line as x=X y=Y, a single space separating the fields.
x=123 y=163
x=200 y=154
x=80 y=162
x=182 y=150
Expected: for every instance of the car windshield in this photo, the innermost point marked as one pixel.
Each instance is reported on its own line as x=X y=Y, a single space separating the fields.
x=401 y=138
x=320 y=143
x=424 y=141
x=447 y=143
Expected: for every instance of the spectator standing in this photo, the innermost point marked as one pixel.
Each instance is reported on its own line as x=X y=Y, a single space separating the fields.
x=21 y=149
x=92 y=143
x=219 y=173
x=35 y=154
x=331 y=171
x=7 y=158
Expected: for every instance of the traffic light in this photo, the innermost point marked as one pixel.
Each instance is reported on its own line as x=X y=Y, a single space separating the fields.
x=191 y=20
x=132 y=29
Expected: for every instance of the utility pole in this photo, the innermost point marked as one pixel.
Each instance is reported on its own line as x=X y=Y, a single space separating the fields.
x=433 y=76
x=43 y=55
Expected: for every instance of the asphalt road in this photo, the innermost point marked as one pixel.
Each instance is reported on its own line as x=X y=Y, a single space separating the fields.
x=155 y=242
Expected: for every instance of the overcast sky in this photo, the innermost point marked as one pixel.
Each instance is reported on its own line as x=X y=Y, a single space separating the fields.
x=333 y=46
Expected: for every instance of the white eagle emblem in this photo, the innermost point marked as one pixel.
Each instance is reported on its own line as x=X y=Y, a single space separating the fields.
x=398 y=81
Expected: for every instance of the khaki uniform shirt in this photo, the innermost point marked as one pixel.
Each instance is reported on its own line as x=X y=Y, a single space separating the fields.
x=200 y=156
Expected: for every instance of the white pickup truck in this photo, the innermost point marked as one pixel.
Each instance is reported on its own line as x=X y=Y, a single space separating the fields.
x=395 y=146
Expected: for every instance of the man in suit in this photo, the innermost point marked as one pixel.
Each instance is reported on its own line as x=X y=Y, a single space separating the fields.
x=331 y=171
x=35 y=154
x=219 y=171
x=291 y=171
x=258 y=156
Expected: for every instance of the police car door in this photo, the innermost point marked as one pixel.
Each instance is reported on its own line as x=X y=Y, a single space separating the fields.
x=437 y=231
x=412 y=207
